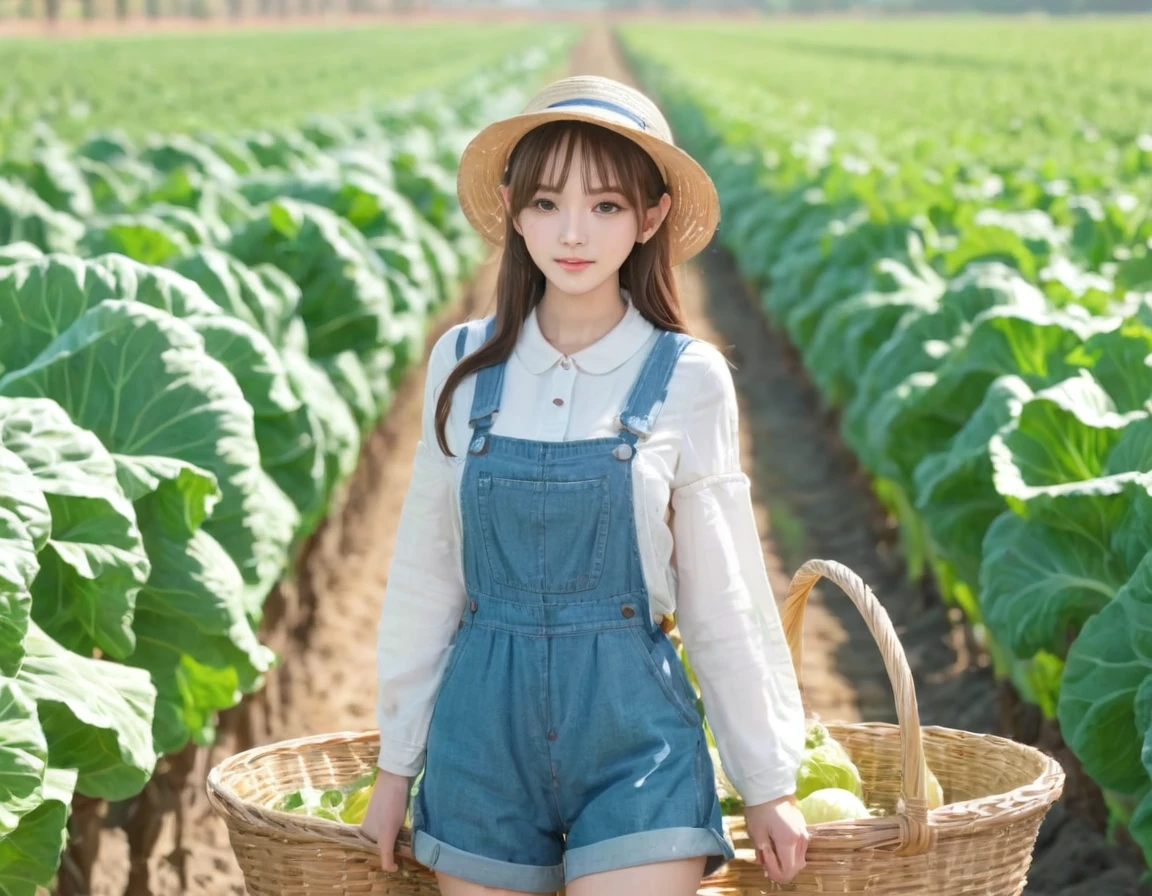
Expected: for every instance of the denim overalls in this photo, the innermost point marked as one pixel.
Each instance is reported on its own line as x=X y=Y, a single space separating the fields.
x=565 y=738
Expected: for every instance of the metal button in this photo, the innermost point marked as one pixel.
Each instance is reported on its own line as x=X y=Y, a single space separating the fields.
x=472 y=606
x=627 y=612
x=557 y=401
x=479 y=445
x=552 y=735
x=623 y=451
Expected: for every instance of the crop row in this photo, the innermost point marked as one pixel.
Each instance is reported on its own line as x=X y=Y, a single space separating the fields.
x=985 y=329
x=232 y=80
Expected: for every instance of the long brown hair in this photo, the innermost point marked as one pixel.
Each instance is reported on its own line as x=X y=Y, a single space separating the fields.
x=611 y=161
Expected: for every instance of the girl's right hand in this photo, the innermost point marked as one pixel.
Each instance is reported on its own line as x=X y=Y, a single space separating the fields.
x=385 y=814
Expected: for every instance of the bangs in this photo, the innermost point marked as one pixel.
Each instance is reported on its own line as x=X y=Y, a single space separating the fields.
x=598 y=172
x=610 y=163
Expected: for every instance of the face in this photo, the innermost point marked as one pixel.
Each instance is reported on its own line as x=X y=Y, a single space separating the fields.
x=580 y=239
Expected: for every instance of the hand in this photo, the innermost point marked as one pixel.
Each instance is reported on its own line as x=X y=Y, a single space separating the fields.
x=385 y=814
x=780 y=835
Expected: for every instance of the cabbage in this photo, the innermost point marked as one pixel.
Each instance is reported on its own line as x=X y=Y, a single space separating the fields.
x=815 y=735
x=832 y=804
x=356 y=805
x=828 y=765
x=345 y=804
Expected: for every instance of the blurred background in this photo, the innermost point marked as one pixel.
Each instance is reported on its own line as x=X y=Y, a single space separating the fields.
x=243 y=9
x=229 y=234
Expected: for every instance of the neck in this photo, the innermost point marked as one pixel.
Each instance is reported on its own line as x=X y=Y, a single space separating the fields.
x=571 y=323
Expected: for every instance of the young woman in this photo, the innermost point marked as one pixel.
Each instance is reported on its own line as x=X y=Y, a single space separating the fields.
x=579 y=480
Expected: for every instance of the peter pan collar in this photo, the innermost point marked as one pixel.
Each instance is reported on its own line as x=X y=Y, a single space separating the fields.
x=604 y=355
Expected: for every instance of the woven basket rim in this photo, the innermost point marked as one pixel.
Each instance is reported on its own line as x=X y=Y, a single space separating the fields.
x=252 y=814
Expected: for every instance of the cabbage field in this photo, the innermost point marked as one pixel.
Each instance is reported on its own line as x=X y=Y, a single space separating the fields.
x=207 y=298
x=220 y=258
x=952 y=222
x=242 y=79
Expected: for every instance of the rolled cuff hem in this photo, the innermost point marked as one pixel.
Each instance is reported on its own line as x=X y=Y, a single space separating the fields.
x=766 y=789
x=400 y=758
x=440 y=856
x=646 y=847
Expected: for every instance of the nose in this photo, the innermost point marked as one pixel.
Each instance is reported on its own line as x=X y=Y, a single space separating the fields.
x=573 y=232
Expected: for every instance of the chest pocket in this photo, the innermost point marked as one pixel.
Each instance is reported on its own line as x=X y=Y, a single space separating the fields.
x=545 y=537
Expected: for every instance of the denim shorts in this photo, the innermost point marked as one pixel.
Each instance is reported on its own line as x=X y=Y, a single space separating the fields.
x=528 y=786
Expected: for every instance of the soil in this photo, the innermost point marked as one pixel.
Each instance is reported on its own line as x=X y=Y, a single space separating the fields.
x=811 y=501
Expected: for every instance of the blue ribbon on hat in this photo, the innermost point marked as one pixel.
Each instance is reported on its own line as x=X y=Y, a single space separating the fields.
x=603 y=104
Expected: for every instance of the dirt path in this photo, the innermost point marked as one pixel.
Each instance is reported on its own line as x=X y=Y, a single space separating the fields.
x=810 y=501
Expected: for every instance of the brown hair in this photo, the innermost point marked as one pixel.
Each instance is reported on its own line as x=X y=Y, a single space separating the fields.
x=646 y=273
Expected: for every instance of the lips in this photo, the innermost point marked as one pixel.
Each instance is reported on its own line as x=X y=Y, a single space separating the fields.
x=572 y=264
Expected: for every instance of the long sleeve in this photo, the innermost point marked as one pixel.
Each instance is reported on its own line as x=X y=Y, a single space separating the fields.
x=726 y=611
x=424 y=597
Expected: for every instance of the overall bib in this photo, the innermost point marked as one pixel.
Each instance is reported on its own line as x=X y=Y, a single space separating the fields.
x=565 y=738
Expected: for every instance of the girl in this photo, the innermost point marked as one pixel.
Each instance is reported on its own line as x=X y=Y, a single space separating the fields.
x=578 y=480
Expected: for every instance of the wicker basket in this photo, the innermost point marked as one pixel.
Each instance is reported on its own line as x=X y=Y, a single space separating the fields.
x=996 y=791
x=980 y=842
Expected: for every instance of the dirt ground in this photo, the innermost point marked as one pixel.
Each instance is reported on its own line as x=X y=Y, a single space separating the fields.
x=811 y=502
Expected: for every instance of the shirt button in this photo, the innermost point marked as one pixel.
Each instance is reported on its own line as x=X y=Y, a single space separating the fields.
x=565 y=364
x=557 y=401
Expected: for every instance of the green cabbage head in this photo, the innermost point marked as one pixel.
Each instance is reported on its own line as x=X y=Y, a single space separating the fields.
x=832 y=804
x=828 y=765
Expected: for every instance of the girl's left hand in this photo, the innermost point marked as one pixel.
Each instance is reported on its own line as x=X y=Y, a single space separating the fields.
x=780 y=835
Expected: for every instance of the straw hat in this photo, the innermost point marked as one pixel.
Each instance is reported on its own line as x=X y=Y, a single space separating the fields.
x=695 y=210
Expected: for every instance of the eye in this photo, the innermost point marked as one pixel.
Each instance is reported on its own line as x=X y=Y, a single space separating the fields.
x=548 y=202
x=612 y=206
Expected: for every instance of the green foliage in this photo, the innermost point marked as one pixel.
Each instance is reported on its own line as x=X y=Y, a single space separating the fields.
x=250 y=79
x=197 y=331
x=955 y=233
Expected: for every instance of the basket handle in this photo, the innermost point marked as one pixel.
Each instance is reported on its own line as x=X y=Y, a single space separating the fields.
x=916 y=834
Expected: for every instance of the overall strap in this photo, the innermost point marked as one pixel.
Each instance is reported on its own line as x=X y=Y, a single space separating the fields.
x=489 y=385
x=485 y=325
x=646 y=399
x=462 y=341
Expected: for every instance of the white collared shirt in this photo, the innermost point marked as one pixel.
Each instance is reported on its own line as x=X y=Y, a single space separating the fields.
x=700 y=550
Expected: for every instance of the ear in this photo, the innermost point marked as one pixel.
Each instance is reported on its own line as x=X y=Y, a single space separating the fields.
x=505 y=194
x=654 y=217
